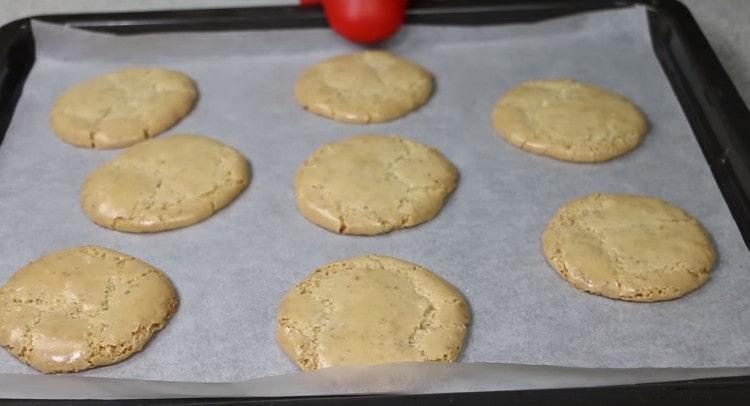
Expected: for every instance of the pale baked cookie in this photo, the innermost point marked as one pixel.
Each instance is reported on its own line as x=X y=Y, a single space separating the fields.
x=363 y=87
x=371 y=310
x=628 y=247
x=373 y=184
x=163 y=184
x=122 y=107
x=567 y=120
x=81 y=308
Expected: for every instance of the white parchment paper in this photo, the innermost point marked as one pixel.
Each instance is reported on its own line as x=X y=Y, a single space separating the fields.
x=232 y=270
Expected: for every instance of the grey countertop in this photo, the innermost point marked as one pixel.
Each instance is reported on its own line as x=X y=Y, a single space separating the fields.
x=726 y=23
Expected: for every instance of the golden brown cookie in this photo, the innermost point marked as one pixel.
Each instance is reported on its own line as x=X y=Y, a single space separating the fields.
x=628 y=247
x=371 y=310
x=163 y=184
x=373 y=184
x=122 y=107
x=363 y=87
x=567 y=120
x=81 y=308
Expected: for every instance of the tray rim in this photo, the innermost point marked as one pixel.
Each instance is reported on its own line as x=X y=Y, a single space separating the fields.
x=16 y=37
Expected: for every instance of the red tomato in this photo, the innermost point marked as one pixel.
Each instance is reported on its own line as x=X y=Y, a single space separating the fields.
x=365 y=21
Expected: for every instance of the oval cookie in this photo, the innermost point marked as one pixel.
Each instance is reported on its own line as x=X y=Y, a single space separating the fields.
x=628 y=247
x=163 y=184
x=81 y=308
x=122 y=107
x=371 y=310
x=567 y=120
x=363 y=87
x=373 y=184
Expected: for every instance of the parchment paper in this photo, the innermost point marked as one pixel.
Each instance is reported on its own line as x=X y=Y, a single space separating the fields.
x=232 y=270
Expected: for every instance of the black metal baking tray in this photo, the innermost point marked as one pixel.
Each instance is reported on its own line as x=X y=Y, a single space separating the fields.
x=710 y=101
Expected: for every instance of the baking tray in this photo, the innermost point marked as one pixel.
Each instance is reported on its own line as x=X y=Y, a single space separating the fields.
x=712 y=105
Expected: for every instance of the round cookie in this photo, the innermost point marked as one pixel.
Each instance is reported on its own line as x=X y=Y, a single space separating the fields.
x=122 y=107
x=163 y=184
x=81 y=308
x=628 y=247
x=567 y=120
x=363 y=87
x=371 y=310
x=373 y=184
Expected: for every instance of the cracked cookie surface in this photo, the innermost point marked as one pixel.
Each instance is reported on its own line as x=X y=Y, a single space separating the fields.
x=628 y=247
x=371 y=310
x=163 y=184
x=122 y=107
x=363 y=87
x=373 y=184
x=568 y=120
x=81 y=308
